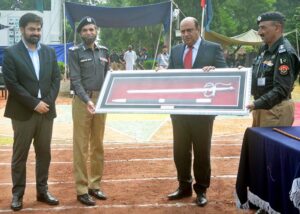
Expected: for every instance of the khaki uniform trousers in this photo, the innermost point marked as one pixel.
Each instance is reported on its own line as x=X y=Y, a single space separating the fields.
x=88 y=132
x=281 y=114
x=115 y=66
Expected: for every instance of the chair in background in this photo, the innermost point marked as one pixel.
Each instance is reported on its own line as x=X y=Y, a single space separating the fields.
x=3 y=88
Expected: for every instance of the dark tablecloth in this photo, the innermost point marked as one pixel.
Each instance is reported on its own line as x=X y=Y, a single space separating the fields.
x=269 y=170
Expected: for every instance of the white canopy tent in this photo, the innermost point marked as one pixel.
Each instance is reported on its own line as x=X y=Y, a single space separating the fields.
x=250 y=37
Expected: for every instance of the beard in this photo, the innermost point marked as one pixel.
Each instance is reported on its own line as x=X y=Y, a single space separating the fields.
x=89 y=39
x=33 y=39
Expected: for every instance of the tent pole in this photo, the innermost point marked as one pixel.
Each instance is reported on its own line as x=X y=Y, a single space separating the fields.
x=65 y=40
x=202 y=21
x=170 y=30
x=157 y=45
x=297 y=42
x=75 y=36
x=178 y=8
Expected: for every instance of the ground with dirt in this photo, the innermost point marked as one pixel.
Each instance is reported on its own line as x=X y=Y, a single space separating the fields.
x=139 y=169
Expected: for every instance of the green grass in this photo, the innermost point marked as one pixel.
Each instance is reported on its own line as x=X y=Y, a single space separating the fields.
x=6 y=140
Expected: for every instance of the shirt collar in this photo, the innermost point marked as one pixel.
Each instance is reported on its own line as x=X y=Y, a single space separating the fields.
x=274 y=47
x=96 y=46
x=196 y=44
x=38 y=46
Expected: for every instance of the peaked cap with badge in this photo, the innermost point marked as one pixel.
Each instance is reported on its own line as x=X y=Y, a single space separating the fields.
x=271 y=16
x=85 y=21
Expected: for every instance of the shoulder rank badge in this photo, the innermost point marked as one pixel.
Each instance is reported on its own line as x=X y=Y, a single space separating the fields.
x=73 y=48
x=284 y=69
x=281 y=49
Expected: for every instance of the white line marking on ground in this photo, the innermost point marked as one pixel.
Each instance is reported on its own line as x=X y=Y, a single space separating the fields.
x=125 y=160
x=58 y=147
x=158 y=128
x=61 y=208
x=124 y=180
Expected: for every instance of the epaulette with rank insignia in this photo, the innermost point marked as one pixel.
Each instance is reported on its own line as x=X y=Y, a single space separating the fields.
x=281 y=49
x=103 y=47
x=73 y=48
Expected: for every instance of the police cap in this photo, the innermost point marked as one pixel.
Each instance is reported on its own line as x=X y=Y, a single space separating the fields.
x=85 y=21
x=271 y=16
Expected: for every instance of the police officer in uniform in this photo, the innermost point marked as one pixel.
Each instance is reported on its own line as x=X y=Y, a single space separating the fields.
x=88 y=64
x=274 y=71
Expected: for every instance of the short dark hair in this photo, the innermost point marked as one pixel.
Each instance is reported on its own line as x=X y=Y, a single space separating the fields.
x=30 y=17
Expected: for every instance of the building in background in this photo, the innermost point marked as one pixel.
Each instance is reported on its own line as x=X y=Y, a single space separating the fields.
x=52 y=27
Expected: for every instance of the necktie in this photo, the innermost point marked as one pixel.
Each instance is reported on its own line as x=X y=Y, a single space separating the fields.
x=188 y=59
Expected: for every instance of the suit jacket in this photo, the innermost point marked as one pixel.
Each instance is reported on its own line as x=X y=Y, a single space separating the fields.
x=23 y=85
x=209 y=54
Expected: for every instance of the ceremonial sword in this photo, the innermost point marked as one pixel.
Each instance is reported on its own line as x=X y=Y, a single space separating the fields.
x=209 y=89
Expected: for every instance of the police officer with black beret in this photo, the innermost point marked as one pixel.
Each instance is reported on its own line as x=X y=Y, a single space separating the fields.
x=273 y=74
x=88 y=64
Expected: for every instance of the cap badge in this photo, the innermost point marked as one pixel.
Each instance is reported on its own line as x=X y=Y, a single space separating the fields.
x=259 y=18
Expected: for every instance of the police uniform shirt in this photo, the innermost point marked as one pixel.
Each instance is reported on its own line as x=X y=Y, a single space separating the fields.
x=87 y=69
x=273 y=74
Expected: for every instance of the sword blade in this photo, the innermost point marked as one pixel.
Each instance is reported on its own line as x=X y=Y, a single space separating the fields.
x=162 y=100
x=177 y=90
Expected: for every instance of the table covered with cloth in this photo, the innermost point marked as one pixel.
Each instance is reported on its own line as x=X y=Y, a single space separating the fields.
x=269 y=170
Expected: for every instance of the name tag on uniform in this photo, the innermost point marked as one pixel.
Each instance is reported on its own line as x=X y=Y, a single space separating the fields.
x=261 y=81
x=85 y=60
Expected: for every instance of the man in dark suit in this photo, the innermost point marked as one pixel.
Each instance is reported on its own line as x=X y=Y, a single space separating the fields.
x=32 y=78
x=193 y=131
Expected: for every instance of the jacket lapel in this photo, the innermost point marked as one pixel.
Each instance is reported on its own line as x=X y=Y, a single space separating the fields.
x=25 y=56
x=199 y=61
x=42 y=61
x=181 y=52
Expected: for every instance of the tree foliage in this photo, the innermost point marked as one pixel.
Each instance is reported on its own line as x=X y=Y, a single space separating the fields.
x=230 y=17
x=142 y=37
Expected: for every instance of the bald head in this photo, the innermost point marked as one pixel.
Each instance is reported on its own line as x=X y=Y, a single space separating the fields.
x=190 y=30
x=190 y=19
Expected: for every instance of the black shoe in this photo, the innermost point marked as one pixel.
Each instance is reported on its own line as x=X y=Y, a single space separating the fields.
x=16 y=203
x=201 y=199
x=97 y=194
x=47 y=198
x=86 y=199
x=180 y=193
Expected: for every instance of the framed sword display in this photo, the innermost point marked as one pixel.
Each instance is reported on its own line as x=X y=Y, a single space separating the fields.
x=180 y=91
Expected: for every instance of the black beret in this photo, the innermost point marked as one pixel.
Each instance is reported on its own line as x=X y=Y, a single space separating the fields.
x=271 y=16
x=85 y=21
